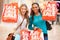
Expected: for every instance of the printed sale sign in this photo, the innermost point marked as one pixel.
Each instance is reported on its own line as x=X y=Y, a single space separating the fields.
x=50 y=11
x=10 y=12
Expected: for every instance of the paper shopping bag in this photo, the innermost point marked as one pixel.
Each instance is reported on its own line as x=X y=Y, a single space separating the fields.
x=10 y=12
x=25 y=35
x=35 y=35
x=50 y=11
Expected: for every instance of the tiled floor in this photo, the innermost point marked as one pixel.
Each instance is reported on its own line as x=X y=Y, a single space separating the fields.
x=54 y=34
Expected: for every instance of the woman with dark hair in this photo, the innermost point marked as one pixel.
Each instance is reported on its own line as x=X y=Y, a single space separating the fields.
x=37 y=21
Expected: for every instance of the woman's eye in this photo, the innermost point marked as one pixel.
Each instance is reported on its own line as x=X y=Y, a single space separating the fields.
x=34 y=7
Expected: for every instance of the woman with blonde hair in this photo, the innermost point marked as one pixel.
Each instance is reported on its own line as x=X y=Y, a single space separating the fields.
x=22 y=20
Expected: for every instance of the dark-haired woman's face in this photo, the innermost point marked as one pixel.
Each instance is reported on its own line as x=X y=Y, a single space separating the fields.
x=35 y=8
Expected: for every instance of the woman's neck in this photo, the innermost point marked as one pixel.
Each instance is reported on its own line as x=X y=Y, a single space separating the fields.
x=22 y=16
x=37 y=14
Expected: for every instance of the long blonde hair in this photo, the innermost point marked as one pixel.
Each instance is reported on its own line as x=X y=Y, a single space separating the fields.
x=26 y=14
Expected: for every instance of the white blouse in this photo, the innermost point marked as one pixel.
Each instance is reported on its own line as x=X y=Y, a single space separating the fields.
x=20 y=19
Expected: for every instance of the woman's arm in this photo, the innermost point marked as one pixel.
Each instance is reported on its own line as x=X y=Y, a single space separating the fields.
x=30 y=24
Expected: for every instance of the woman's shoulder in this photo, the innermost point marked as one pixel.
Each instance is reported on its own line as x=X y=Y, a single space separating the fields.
x=19 y=15
x=30 y=16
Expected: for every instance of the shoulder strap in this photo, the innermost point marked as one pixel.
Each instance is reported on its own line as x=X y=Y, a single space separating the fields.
x=20 y=24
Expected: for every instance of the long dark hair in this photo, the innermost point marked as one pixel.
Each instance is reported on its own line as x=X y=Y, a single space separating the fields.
x=32 y=12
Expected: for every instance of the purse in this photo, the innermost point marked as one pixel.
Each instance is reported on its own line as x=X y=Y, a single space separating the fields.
x=49 y=27
x=11 y=35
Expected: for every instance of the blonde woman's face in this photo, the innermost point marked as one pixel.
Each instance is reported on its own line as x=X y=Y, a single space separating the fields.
x=23 y=10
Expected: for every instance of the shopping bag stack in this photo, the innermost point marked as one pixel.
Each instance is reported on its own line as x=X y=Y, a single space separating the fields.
x=31 y=35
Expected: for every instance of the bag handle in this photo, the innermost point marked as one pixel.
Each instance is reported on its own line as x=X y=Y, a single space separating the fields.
x=20 y=24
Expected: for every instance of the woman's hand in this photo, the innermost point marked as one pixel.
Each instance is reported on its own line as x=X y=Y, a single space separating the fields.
x=25 y=29
x=14 y=30
x=35 y=28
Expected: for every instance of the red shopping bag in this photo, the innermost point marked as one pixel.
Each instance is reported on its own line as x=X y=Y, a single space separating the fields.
x=35 y=35
x=50 y=11
x=25 y=35
x=31 y=35
x=10 y=12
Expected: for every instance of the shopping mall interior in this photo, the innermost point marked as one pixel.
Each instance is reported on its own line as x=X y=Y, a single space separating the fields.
x=6 y=28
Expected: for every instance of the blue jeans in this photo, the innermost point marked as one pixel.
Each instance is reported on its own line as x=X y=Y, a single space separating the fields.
x=45 y=36
x=17 y=37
